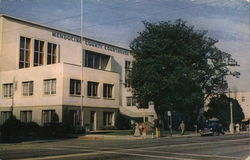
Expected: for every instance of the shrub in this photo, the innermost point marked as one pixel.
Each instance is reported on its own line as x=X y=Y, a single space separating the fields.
x=11 y=127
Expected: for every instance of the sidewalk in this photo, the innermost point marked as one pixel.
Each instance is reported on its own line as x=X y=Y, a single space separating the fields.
x=131 y=137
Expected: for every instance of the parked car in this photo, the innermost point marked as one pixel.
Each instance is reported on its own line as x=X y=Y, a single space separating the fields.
x=212 y=128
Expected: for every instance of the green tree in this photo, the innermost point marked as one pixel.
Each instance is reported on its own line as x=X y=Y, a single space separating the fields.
x=177 y=67
x=219 y=108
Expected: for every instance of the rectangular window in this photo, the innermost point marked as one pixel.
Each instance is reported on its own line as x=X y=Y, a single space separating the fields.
x=131 y=101
x=93 y=89
x=24 y=55
x=96 y=60
x=107 y=90
x=108 y=118
x=49 y=86
x=5 y=115
x=47 y=115
x=75 y=87
x=8 y=90
x=38 y=53
x=28 y=88
x=25 y=116
x=128 y=74
x=51 y=53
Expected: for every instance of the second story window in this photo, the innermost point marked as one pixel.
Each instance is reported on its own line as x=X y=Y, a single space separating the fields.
x=38 y=53
x=51 y=53
x=96 y=60
x=24 y=52
x=75 y=87
x=8 y=90
x=128 y=74
x=93 y=89
x=49 y=86
x=131 y=101
x=107 y=90
x=28 y=88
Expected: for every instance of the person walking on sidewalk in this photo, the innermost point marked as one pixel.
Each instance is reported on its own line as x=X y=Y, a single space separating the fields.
x=182 y=127
x=137 y=131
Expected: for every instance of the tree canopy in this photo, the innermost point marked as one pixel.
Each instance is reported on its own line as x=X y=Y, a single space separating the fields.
x=176 y=67
x=219 y=108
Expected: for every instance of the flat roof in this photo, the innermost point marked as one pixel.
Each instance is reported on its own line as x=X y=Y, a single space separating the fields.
x=56 y=29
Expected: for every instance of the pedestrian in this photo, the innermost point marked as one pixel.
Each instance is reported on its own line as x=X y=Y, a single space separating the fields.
x=144 y=129
x=137 y=131
x=182 y=127
x=237 y=126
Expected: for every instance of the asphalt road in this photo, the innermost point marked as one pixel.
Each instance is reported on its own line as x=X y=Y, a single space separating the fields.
x=228 y=147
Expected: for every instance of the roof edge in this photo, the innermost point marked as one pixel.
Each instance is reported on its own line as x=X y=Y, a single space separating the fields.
x=60 y=30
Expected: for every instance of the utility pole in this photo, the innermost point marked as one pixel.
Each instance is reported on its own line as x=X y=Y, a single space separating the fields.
x=81 y=108
x=170 y=122
x=231 y=127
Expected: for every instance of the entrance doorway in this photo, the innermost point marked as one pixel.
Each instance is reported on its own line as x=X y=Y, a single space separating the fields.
x=93 y=120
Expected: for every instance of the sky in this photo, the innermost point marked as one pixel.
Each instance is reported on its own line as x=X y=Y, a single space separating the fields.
x=119 y=21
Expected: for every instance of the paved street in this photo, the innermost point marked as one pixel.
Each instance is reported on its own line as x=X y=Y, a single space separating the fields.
x=228 y=147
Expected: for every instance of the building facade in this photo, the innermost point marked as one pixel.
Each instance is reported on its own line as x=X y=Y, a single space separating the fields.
x=44 y=71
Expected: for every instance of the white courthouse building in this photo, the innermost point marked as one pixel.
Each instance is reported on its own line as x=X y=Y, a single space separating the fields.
x=44 y=71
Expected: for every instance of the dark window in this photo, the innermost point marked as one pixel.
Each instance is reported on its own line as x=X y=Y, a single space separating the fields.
x=128 y=74
x=38 y=52
x=93 y=88
x=24 y=52
x=96 y=60
x=51 y=53
x=5 y=115
x=107 y=90
x=75 y=87
x=108 y=118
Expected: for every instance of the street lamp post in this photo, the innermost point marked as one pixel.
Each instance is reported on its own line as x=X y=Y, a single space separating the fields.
x=231 y=126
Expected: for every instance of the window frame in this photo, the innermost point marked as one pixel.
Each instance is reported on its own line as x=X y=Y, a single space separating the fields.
x=40 y=52
x=48 y=117
x=128 y=72
x=131 y=101
x=8 y=90
x=92 y=89
x=52 y=49
x=26 y=116
x=49 y=87
x=24 y=60
x=108 y=119
x=108 y=90
x=75 y=90
x=30 y=88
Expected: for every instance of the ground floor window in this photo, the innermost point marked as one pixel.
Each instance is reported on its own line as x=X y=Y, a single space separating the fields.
x=74 y=117
x=47 y=116
x=5 y=115
x=108 y=118
x=131 y=101
x=26 y=116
